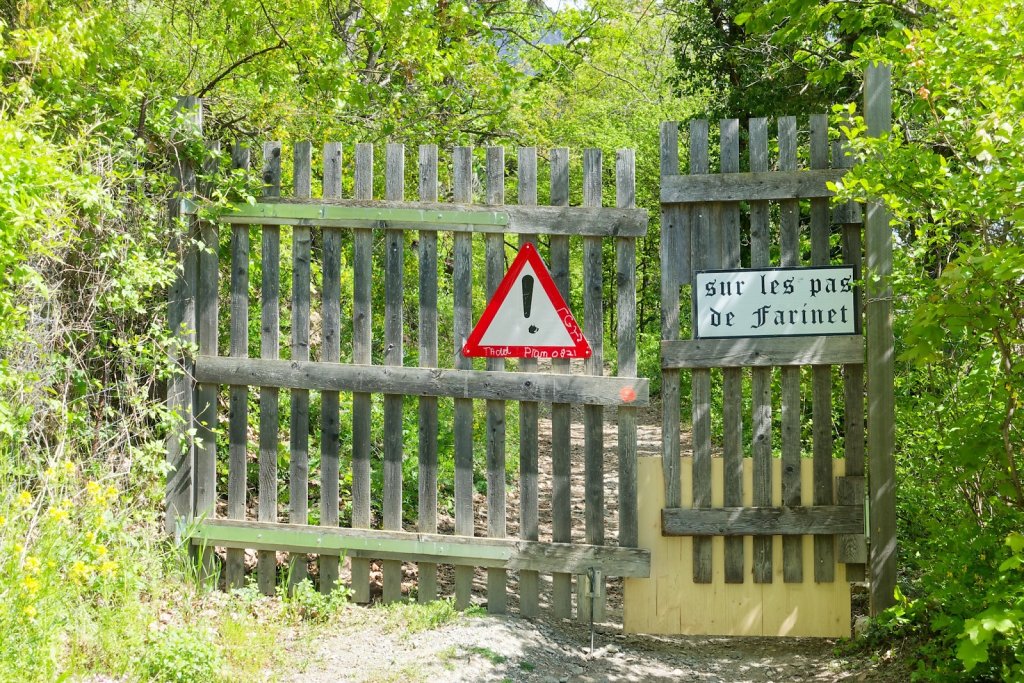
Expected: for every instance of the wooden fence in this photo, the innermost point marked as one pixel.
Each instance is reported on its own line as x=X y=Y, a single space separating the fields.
x=380 y=233
x=701 y=230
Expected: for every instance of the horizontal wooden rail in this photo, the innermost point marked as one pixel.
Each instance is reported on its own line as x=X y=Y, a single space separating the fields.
x=763 y=521
x=382 y=379
x=502 y=553
x=762 y=352
x=526 y=220
x=735 y=187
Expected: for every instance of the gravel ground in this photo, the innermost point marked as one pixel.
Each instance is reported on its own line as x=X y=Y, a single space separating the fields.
x=362 y=647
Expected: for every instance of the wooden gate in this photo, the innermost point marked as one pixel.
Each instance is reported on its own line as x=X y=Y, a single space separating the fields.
x=766 y=545
x=339 y=249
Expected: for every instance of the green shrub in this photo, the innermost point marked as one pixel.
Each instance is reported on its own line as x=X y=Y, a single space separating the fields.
x=182 y=655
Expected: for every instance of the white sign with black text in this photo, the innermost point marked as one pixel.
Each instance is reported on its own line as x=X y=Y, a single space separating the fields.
x=775 y=302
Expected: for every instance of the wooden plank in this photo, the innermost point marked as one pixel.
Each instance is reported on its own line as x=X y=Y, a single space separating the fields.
x=851 y=212
x=394 y=353
x=529 y=581
x=561 y=417
x=205 y=406
x=462 y=274
x=789 y=238
x=852 y=548
x=821 y=376
x=762 y=352
x=181 y=319
x=736 y=187
x=270 y=313
x=761 y=377
x=760 y=521
x=625 y=335
x=504 y=553
x=238 y=411
x=362 y=332
x=880 y=355
x=497 y=593
x=298 y=468
x=394 y=215
x=428 y=422
x=593 y=415
x=853 y=382
x=458 y=384
x=675 y=242
x=702 y=259
x=330 y=352
x=732 y=378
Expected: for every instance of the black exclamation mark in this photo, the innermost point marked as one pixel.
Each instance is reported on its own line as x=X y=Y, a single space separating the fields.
x=528 y=300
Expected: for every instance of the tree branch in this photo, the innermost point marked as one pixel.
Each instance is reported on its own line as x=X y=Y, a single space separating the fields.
x=239 y=62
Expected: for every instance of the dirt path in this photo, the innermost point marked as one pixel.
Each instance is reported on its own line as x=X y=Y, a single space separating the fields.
x=363 y=647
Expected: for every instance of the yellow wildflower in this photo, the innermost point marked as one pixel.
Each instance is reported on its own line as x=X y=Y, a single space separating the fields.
x=69 y=467
x=111 y=492
x=90 y=537
x=24 y=499
x=3 y=520
x=50 y=473
x=58 y=514
x=18 y=547
x=32 y=565
x=108 y=567
x=93 y=488
x=80 y=571
x=101 y=550
x=29 y=611
x=31 y=584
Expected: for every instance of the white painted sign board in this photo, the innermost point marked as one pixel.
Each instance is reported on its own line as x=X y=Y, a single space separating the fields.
x=775 y=302
x=527 y=317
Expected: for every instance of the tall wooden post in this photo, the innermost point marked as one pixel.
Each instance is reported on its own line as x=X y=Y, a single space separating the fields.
x=181 y=318
x=880 y=352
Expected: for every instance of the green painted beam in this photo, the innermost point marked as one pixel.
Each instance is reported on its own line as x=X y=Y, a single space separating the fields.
x=316 y=213
x=503 y=553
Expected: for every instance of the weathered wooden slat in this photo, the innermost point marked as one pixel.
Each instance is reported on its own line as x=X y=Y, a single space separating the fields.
x=462 y=275
x=362 y=332
x=625 y=335
x=758 y=521
x=330 y=352
x=205 y=406
x=849 y=213
x=394 y=352
x=394 y=215
x=270 y=312
x=428 y=421
x=593 y=416
x=505 y=553
x=881 y=426
x=852 y=548
x=702 y=258
x=732 y=378
x=762 y=352
x=561 y=416
x=497 y=593
x=298 y=480
x=238 y=411
x=675 y=246
x=459 y=384
x=821 y=376
x=789 y=239
x=529 y=581
x=853 y=385
x=750 y=186
x=761 y=378
x=181 y=319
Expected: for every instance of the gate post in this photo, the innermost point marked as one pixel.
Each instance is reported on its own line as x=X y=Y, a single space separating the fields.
x=181 y=318
x=880 y=352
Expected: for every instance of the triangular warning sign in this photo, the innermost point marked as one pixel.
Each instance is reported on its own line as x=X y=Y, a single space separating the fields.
x=527 y=317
